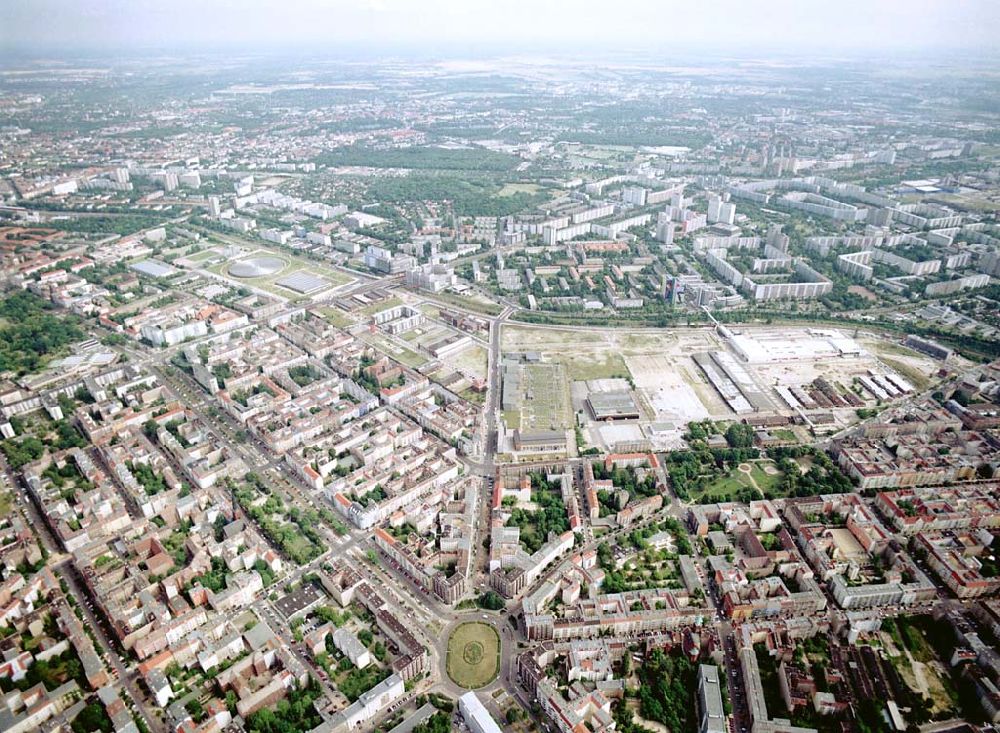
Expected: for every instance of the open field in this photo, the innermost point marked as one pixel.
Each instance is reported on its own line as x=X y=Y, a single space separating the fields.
x=973 y=202
x=764 y=474
x=473 y=655
x=884 y=346
x=337 y=317
x=863 y=292
x=626 y=343
x=916 y=377
x=586 y=155
x=528 y=338
x=584 y=367
x=673 y=390
x=925 y=679
x=471 y=361
x=912 y=365
x=370 y=310
x=475 y=303
x=726 y=487
x=510 y=189
x=916 y=646
x=202 y=256
x=387 y=346
x=656 y=361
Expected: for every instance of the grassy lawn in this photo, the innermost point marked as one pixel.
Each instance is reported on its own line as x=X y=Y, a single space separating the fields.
x=529 y=534
x=472 y=396
x=510 y=189
x=479 y=305
x=410 y=358
x=512 y=418
x=725 y=488
x=913 y=638
x=5 y=504
x=597 y=365
x=765 y=481
x=917 y=378
x=337 y=317
x=473 y=655
x=202 y=256
x=403 y=355
x=355 y=682
x=370 y=310
x=299 y=544
x=728 y=485
x=471 y=361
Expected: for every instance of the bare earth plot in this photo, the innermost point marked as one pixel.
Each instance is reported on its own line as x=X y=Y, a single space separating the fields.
x=472 y=302
x=540 y=338
x=657 y=361
x=668 y=387
x=471 y=361
x=910 y=364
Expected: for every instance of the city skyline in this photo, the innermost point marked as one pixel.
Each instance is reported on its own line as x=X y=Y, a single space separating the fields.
x=522 y=367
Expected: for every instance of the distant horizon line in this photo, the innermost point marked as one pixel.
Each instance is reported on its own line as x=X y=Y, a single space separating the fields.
x=361 y=50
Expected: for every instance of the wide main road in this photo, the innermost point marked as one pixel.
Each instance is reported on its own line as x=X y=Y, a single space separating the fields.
x=491 y=416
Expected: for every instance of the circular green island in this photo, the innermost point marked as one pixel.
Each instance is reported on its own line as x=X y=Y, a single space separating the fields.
x=473 y=655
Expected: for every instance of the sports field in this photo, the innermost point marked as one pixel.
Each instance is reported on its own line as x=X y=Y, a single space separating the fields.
x=473 y=655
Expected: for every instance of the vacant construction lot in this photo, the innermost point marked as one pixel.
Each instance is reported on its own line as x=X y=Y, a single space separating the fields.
x=656 y=361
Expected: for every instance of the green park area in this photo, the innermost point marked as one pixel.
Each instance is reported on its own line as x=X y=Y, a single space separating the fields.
x=473 y=655
x=32 y=333
x=740 y=473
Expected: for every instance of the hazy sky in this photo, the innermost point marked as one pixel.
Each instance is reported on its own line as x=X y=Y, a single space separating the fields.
x=441 y=25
